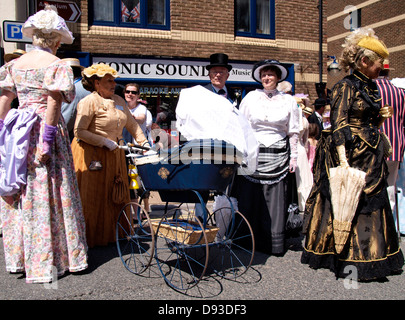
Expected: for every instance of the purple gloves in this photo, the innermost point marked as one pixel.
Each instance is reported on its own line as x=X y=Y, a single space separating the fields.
x=48 y=137
x=1 y=123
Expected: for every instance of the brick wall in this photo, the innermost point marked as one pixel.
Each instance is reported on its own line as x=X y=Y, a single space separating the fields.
x=297 y=36
x=385 y=17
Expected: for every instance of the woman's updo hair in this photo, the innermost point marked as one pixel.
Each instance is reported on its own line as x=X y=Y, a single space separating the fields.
x=88 y=82
x=353 y=53
x=45 y=40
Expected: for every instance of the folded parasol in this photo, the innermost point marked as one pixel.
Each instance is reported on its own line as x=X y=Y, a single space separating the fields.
x=346 y=186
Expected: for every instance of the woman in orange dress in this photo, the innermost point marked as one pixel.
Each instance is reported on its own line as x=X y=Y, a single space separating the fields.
x=99 y=163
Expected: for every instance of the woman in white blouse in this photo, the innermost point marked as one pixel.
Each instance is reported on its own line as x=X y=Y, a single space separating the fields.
x=274 y=117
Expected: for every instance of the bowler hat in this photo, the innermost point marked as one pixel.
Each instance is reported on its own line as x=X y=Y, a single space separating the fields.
x=320 y=102
x=219 y=60
x=265 y=63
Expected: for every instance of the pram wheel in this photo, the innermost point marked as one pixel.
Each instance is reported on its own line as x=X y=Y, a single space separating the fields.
x=181 y=249
x=135 y=238
x=232 y=253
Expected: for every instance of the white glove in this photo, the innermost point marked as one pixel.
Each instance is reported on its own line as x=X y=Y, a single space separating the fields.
x=342 y=156
x=111 y=145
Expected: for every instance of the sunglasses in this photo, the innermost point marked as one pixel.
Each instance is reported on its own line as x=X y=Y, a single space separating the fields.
x=130 y=91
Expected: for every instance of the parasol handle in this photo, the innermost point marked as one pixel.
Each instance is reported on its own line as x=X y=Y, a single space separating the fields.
x=396 y=212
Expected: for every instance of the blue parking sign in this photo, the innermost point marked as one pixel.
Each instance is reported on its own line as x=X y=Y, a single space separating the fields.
x=12 y=32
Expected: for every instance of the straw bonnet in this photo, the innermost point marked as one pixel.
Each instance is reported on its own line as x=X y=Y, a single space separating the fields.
x=15 y=54
x=308 y=109
x=265 y=63
x=73 y=62
x=303 y=103
x=100 y=70
x=375 y=45
x=47 y=21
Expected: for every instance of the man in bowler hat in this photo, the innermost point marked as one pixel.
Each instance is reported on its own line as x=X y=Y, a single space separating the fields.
x=218 y=71
x=316 y=117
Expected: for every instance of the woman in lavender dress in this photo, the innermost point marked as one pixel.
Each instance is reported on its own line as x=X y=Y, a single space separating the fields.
x=43 y=224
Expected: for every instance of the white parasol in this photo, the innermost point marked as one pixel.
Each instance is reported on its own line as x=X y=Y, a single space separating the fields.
x=346 y=186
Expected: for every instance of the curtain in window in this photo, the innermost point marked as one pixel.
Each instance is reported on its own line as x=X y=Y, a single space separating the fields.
x=243 y=15
x=103 y=10
x=156 y=12
x=263 y=16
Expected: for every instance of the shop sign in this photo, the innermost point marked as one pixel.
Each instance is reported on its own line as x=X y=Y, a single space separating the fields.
x=165 y=91
x=66 y=9
x=164 y=69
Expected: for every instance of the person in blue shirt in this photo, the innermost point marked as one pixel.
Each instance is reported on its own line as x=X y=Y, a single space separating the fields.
x=69 y=109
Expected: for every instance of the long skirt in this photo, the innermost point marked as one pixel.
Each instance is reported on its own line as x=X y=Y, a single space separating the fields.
x=265 y=207
x=43 y=225
x=96 y=190
x=372 y=250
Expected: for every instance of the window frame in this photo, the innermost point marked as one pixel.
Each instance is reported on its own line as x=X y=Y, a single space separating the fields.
x=253 y=22
x=143 y=17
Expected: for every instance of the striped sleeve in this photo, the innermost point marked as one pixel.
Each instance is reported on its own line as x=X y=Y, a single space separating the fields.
x=394 y=126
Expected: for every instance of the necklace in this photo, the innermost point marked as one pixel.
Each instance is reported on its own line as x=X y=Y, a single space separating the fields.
x=42 y=49
x=270 y=93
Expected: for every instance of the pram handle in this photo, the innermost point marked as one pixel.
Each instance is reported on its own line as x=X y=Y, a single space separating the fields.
x=130 y=146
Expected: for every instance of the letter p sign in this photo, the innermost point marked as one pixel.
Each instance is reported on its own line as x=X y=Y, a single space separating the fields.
x=15 y=32
x=12 y=32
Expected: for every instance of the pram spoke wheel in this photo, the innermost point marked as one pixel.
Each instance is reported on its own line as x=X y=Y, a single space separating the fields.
x=232 y=253
x=135 y=239
x=181 y=250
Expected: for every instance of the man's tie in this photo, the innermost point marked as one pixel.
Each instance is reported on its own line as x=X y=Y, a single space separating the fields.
x=222 y=92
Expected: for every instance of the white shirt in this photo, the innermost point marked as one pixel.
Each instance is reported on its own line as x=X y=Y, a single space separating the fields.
x=148 y=124
x=137 y=111
x=272 y=119
x=319 y=116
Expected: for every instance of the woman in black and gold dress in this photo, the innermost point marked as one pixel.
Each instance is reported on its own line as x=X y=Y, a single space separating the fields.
x=354 y=140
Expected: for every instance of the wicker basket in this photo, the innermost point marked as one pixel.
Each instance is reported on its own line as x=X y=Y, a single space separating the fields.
x=184 y=231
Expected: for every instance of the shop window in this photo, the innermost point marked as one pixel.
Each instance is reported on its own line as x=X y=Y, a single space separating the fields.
x=255 y=18
x=151 y=14
x=162 y=100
